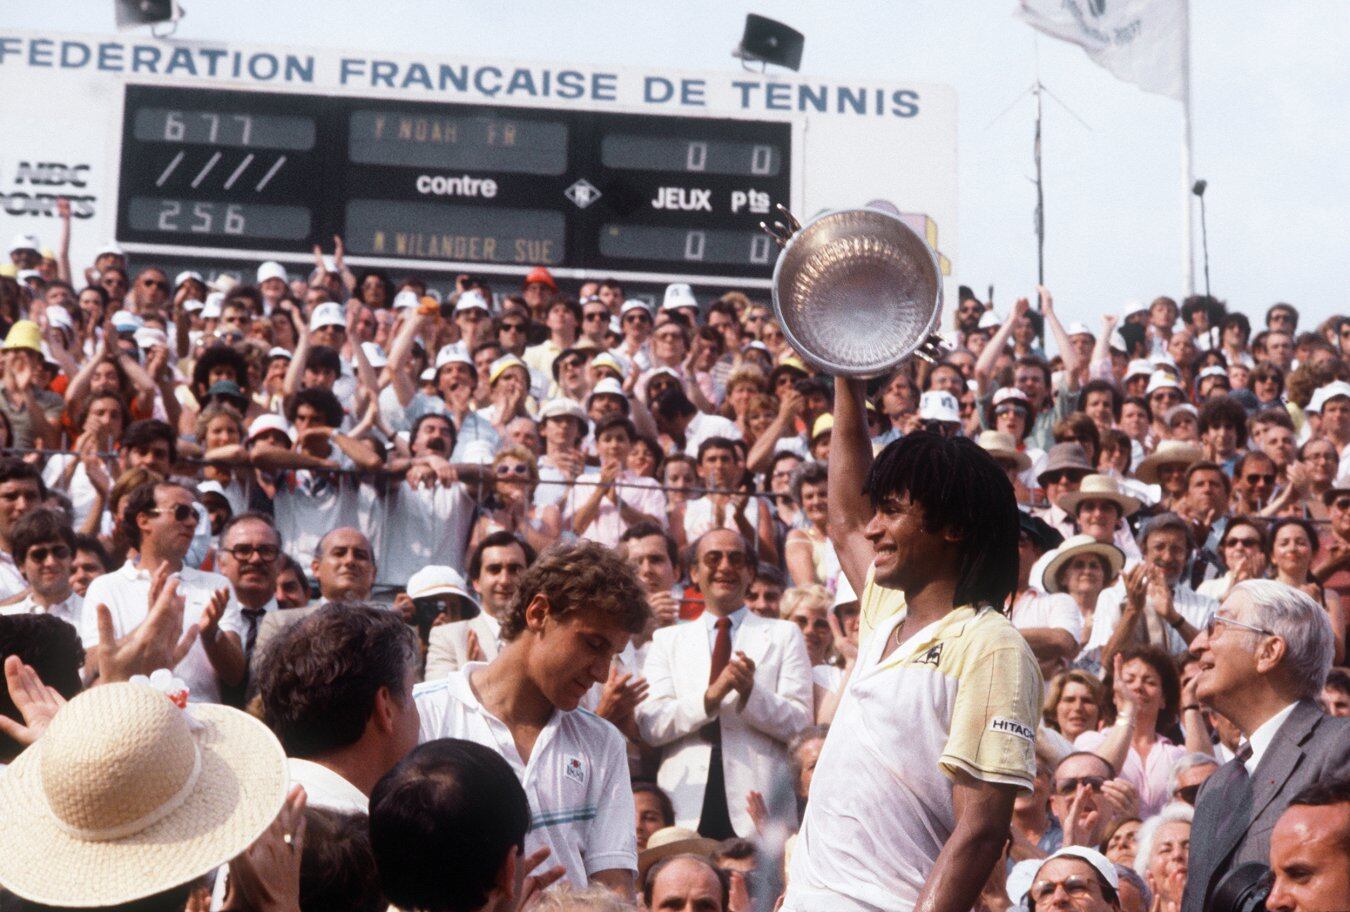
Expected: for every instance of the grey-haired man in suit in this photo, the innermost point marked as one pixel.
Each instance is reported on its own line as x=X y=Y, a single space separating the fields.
x=1263 y=660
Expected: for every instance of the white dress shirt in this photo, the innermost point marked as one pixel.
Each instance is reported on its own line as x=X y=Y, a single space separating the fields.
x=11 y=580
x=1261 y=739
x=325 y=788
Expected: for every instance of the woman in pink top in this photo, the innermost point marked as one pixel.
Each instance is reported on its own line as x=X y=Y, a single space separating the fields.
x=1147 y=696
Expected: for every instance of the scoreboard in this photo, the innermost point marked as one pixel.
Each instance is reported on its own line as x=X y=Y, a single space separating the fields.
x=450 y=186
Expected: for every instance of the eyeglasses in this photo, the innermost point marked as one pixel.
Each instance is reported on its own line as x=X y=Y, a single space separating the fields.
x=1187 y=793
x=1232 y=622
x=181 y=513
x=1074 y=885
x=1341 y=503
x=596 y=316
x=1069 y=786
x=1242 y=543
x=154 y=283
x=265 y=553
x=735 y=559
x=1061 y=478
x=1170 y=395
x=668 y=336
x=1254 y=477
x=513 y=327
x=40 y=554
x=637 y=318
x=508 y=469
x=805 y=622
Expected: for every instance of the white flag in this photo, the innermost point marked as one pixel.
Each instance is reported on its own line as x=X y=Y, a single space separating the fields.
x=1140 y=41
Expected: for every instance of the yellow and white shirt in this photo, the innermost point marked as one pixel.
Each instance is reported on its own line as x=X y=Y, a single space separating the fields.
x=963 y=694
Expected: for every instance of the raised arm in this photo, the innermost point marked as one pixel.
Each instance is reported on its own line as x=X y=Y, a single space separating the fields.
x=1072 y=364
x=984 y=365
x=405 y=385
x=850 y=458
x=63 y=240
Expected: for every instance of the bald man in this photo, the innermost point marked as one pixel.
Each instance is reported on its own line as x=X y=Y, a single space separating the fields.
x=343 y=566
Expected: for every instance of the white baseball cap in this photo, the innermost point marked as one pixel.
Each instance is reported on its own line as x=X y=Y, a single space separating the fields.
x=452 y=355
x=1024 y=873
x=1324 y=394
x=939 y=405
x=472 y=300
x=271 y=270
x=269 y=421
x=148 y=336
x=126 y=321
x=405 y=298
x=1078 y=328
x=327 y=314
x=277 y=351
x=1132 y=307
x=25 y=275
x=562 y=407
x=1161 y=380
x=187 y=275
x=634 y=304
x=1139 y=367
x=112 y=248
x=25 y=242
x=608 y=387
x=679 y=295
x=214 y=306
x=990 y=320
x=59 y=317
x=210 y=487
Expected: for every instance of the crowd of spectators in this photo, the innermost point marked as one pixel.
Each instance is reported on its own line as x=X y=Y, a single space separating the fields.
x=544 y=580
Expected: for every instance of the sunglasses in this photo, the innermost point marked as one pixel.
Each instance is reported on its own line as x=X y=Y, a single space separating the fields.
x=735 y=559
x=1069 y=786
x=513 y=327
x=504 y=470
x=266 y=553
x=1075 y=885
x=181 y=513
x=40 y=554
x=1187 y=793
x=154 y=283
x=596 y=316
x=1061 y=478
x=1242 y=543
x=1168 y=395
x=637 y=318
x=1254 y=477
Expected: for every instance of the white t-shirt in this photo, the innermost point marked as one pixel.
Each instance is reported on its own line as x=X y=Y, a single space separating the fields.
x=698 y=517
x=581 y=800
x=639 y=492
x=11 y=580
x=126 y=592
x=310 y=504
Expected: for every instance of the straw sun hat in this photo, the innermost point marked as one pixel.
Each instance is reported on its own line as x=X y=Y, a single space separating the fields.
x=126 y=796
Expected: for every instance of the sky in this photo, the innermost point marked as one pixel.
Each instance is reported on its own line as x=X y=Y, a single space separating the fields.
x=1270 y=88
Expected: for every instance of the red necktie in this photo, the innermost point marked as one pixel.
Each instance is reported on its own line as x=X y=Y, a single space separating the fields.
x=721 y=653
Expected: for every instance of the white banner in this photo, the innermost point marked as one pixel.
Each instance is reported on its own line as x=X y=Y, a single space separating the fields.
x=1139 y=41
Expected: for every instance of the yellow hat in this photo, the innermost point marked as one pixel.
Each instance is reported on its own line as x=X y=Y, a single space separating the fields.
x=503 y=364
x=824 y=425
x=24 y=334
x=8 y=270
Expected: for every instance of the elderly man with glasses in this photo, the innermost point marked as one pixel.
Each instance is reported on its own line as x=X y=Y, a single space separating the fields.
x=1263 y=659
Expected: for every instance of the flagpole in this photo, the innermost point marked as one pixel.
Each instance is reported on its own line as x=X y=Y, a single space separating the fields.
x=1187 y=170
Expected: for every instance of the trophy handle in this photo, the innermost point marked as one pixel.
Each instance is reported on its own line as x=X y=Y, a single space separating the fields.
x=933 y=349
x=782 y=232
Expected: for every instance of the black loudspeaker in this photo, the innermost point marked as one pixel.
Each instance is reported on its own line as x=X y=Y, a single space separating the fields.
x=133 y=13
x=772 y=42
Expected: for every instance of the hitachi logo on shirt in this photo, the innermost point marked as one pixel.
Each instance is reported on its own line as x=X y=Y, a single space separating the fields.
x=1012 y=727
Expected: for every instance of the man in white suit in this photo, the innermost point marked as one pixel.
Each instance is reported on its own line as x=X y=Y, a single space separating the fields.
x=726 y=693
x=495 y=568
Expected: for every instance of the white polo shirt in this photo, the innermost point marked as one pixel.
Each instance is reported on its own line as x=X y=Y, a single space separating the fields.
x=71 y=610
x=964 y=693
x=11 y=580
x=581 y=800
x=126 y=592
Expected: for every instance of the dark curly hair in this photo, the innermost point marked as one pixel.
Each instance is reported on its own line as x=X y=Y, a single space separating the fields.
x=318 y=680
x=577 y=575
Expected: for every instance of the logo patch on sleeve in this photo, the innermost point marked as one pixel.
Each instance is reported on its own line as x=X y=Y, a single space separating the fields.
x=575 y=770
x=1012 y=727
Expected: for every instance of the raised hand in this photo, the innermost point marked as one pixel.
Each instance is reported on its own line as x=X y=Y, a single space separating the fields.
x=758 y=810
x=157 y=642
x=529 y=884
x=473 y=650
x=37 y=703
x=265 y=877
